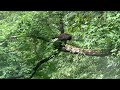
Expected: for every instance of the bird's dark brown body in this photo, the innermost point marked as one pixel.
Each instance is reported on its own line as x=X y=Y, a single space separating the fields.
x=62 y=40
x=64 y=37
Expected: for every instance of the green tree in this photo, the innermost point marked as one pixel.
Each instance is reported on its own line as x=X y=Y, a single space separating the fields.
x=26 y=38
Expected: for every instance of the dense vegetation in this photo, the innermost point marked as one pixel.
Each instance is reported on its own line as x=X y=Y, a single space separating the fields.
x=26 y=39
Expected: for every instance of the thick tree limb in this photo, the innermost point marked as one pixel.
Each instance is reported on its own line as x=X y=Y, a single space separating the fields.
x=75 y=50
x=40 y=63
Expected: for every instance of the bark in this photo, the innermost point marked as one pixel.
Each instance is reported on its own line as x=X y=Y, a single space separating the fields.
x=72 y=49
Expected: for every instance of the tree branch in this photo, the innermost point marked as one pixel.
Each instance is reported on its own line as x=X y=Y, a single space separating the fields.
x=41 y=62
x=75 y=50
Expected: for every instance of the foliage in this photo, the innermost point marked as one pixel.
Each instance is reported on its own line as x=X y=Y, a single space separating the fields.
x=26 y=38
